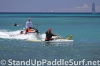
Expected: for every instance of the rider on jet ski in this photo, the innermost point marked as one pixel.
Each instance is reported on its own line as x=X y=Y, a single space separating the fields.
x=29 y=27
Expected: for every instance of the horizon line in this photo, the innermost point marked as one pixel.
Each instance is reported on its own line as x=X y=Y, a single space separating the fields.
x=45 y=12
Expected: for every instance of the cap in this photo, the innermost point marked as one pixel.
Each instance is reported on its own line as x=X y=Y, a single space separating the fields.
x=50 y=29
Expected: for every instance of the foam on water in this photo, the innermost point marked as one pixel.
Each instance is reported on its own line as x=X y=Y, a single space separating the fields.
x=16 y=35
x=4 y=34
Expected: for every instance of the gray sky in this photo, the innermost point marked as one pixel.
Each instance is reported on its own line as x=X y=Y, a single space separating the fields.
x=48 y=5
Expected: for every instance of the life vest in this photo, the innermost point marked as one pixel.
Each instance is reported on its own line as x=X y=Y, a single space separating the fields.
x=29 y=30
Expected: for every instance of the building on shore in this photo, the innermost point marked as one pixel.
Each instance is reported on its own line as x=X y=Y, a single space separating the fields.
x=93 y=7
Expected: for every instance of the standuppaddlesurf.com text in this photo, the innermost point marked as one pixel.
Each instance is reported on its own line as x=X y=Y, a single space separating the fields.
x=61 y=62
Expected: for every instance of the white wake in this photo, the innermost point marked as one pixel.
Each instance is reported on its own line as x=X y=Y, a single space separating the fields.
x=16 y=35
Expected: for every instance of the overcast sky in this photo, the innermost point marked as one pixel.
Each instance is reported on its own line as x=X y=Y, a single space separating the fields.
x=48 y=5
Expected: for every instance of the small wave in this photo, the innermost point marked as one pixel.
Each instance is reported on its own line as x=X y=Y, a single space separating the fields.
x=5 y=34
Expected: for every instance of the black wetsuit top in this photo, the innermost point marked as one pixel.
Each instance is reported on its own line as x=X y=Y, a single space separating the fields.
x=49 y=35
x=15 y=24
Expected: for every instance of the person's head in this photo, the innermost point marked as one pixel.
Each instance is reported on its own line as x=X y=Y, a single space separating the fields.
x=21 y=32
x=50 y=29
x=29 y=19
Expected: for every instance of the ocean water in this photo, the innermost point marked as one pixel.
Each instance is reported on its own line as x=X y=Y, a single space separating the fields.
x=85 y=28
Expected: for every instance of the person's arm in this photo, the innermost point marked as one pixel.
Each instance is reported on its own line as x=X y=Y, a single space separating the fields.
x=53 y=34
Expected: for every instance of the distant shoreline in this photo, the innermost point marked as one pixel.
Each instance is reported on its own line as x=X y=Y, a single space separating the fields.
x=48 y=13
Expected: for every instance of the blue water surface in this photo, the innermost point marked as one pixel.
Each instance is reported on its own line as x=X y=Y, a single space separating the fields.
x=85 y=29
